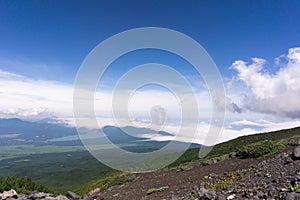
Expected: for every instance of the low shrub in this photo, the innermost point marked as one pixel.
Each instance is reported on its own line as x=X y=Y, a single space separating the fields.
x=260 y=149
x=21 y=185
x=153 y=190
x=227 y=181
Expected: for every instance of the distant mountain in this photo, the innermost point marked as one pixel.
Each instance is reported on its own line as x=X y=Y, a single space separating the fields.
x=16 y=131
x=33 y=131
x=120 y=135
x=140 y=138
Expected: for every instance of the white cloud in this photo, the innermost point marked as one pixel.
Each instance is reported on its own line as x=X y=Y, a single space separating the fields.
x=28 y=98
x=33 y=113
x=277 y=94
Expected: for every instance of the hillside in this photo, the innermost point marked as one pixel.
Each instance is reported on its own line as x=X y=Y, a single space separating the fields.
x=261 y=166
x=273 y=173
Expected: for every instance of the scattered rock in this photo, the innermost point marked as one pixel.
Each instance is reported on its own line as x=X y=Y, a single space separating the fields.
x=294 y=141
x=12 y=194
x=39 y=195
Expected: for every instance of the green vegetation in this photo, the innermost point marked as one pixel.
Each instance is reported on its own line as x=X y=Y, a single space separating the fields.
x=58 y=171
x=7 y=152
x=106 y=182
x=260 y=149
x=184 y=168
x=153 y=190
x=21 y=185
x=75 y=170
x=227 y=181
x=208 y=161
x=235 y=144
x=294 y=187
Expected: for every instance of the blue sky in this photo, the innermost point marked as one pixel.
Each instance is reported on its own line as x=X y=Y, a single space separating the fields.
x=60 y=34
x=43 y=43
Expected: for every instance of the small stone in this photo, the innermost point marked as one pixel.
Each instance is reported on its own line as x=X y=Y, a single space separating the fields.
x=232 y=196
x=213 y=175
x=268 y=175
x=72 y=195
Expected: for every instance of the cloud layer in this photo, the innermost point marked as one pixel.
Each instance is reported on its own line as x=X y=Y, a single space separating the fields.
x=277 y=94
x=254 y=89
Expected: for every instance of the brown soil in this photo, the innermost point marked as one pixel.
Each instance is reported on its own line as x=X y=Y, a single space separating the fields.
x=179 y=183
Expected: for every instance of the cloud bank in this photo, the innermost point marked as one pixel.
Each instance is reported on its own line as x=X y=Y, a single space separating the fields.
x=278 y=93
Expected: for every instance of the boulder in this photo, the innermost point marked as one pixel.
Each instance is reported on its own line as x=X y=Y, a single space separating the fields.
x=233 y=155
x=72 y=195
x=296 y=153
x=8 y=194
x=292 y=196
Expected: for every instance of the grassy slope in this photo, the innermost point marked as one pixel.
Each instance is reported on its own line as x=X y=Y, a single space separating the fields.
x=233 y=145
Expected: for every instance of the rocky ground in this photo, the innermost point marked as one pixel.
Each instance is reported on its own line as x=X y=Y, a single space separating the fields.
x=12 y=195
x=273 y=177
